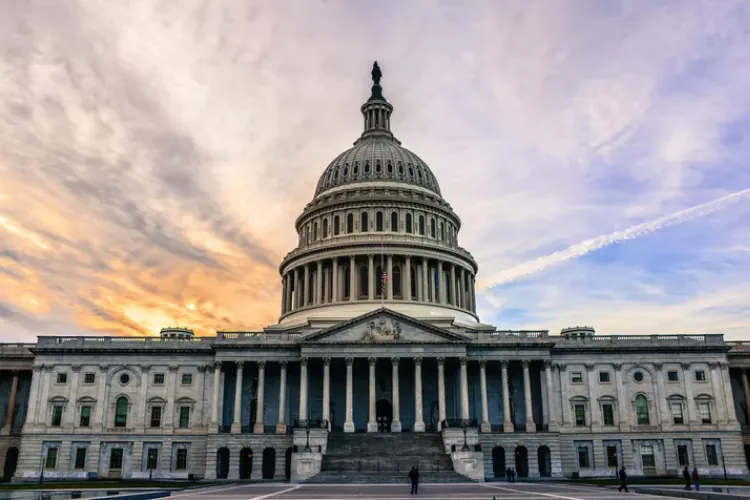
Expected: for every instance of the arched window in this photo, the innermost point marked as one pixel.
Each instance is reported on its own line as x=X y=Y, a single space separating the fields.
x=432 y=228
x=347 y=282
x=350 y=223
x=379 y=282
x=421 y=225
x=121 y=412
x=408 y=223
x=363 y=282
x=378 y=221
x=315 y=231
x=325 y=228
x=413 y=291
x=394 y=222
x=396 y=280
x=442 y=231
x=641 y=409
x=364 y=222
x=336 y=224
x=308 y=237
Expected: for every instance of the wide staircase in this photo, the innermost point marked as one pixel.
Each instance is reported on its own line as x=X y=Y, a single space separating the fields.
x=386 y=458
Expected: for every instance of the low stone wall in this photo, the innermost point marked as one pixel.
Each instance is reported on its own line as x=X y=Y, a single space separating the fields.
x=306 y=465
x=469 y=464
x=695 y=495
x=148 y=495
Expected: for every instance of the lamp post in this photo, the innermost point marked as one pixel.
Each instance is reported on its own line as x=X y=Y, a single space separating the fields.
x=41 y=470
x=307 y=432
x=724 y=465
x=465 y=425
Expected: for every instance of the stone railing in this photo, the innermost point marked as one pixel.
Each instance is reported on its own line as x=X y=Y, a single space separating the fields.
x=739 y=345
x=258 y=337
x=714 y=339
x=512 y=334
x=121 y=342
x=15 y=349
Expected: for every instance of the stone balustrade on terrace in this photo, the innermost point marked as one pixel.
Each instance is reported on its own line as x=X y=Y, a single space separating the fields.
x=656 y=340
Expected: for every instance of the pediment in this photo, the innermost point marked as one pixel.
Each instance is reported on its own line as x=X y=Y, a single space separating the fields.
x=383 y=326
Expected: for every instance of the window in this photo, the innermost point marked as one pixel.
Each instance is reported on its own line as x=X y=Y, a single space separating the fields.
x=641 y=409
x=576 y=377
x=187 y=379
x=57 y=412
x=378 y=221
x=394 y=222
x=442 y=231
x=184 y=417
x=700 y=376
x=672 y=376
x=336 y=224
x=115 y=459
x=677 y=417
x=612 y=458
x=315 y=231
x=158 y=379
x=583 y=457
x=124 y=379
x=432 y=228
x=604 y=377
x=85 y=420
x=156 y=416
x=62 y=378
x=364 y=222
x=152 y=458
x=121 y=412
x=325 y=228
x=608 y=414
x=51 y=461
x=682 y=455
x=704 y=412
x=89 y=378
x=647 y=456
x=421 y=225
x=638 y=376
x=408 y=223
x=350 y=223
x=711 y=456
x=580 y=413
x=80 y=461
x=181 y=459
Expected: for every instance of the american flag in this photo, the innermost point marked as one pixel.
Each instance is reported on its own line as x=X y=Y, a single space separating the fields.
x=383 y=281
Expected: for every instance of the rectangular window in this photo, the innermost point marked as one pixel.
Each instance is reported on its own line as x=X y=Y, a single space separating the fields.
x=580 y=412
x=612 y=459
x=62 y=378
x=181 y=459
x=604 y=377
x=704 y=412
x=682 y=455
x=184 y=417
x=115 y=459
x=576 y=377
x=51 y=461
x=152 y=459
x=85 y=416
x=700 y=376
x=158 y=379
x=187 y=379
x=608 y=414
x=677 y=417
x=80 y=462
x=647 y=456
x=711 y=456
x=57 y=412
x=672 y=376
x=583 y=457
x=156 y=416
x=89 y=378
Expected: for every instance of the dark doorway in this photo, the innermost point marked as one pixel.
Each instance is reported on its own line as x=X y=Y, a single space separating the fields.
x=222 y=463
x=522 y=462
x=545 y=461
x=384 y=415
x=288 y=463
x=246 y=463
x=747 y=455
x=269 y=463
x=11 y=462
x=498 y=461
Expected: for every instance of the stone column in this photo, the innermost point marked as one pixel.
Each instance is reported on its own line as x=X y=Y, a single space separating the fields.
x=425 y=281
x=720 y=404
x=319 y=283
x=303 y=391
x=472 y=283
x=530 y=425
x=326 y=285
x=687 y=376
x=622 y=403
x=551 y=402
x=327 y=391
x=406 y=288
x=297 y=290
x=389 y=283
x=307 y=300
x=464 y=390
x=281 y=426
x=283 y=294
x=370 y=277
x=215 y=398
x=352 y=280
x=335 y=280
x=441 y=393
x=728 y=396
x=12 y=403
x=460 y=287
x=454 y=287
x=349 y=424
x=485 y=425
x=746 y=391
x=170 y=397
x=440 y=283
x=594 y=421
x=258 y=428
x=237 y=421
x=662 y=412
x=507 y=422
x=418 y=418
x=396 y=423
x=36 y=389
x=372 y=423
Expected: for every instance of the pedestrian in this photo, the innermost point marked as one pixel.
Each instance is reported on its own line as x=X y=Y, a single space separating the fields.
x=686 y=477
x=414 y=478
x=507 y=474
x=696 y=479
x=623 y=480
x=512 y=475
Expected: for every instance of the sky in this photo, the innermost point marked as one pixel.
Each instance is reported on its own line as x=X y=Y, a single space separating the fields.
x=154 y=155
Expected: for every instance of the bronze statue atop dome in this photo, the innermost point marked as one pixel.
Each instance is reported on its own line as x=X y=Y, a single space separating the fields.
x=376 y=74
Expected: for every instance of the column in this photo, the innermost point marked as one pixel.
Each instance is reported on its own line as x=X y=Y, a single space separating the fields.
x=303 y=391
x=425 y=281
x=215 y=398
x=335 y=281
x=352 y=280
x=327 y=392
x=396 y=423
x=687 y=376
x=306 y=299
x=297 y=290
x=283 y=294
x=746 y=391
x=440 y=283
x=472 y=292
x=237 y=421
x=662 y=412
x=454 y=287
x=460 y=287
x=728 y=396
x=389 y=283
x=594 y=420
x=319 y=284
x=552 y=404
x=12 y=403
x=720 y=404
x=507 y=423
x=372 y=423
x=36 y=388
x=349 y=424
x=530 y=425
x=418 y=418
x=485 y=425
x=370 y=278
x=281 y=426
x=406 y=288
x=258 y=428
x=622 y=402
x=441 y=393
x=170 y=397
x=464 y=390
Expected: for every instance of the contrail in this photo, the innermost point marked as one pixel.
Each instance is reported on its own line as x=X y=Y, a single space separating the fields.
x=593 y=244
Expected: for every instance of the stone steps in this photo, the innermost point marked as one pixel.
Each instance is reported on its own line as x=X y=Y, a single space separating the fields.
x=328 y=477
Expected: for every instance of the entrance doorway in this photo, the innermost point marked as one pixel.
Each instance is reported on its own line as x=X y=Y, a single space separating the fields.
x=384 y=415
x=222 y=463
x=522 y=461
x=288 y=463
x=246 y=463
x=545 y=461
x=498 y=461
x=269 y=463
x=11 y=462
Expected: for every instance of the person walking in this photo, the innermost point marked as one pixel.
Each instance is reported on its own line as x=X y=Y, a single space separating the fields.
x=623 y=480
x=507 y=474
x=512 y=475
x=686 y=477
x=414 y=478
x=696 y=479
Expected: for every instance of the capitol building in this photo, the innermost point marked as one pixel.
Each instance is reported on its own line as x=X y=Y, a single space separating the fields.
x=378 y=362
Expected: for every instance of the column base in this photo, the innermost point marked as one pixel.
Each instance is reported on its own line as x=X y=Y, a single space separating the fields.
x=554 y=427
x=396 y=426
x=372 y=427
x=281 y=428
x=508 y=427
x=258 y=428
x=213 y=428
x=485 y=427
x=418 y=427
x=5 y=431
x=530 y=427
x=348 y=426
x=236 y=428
